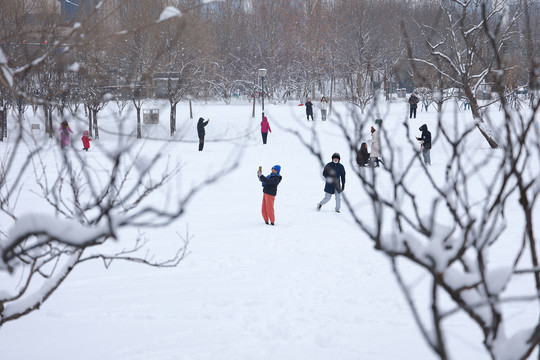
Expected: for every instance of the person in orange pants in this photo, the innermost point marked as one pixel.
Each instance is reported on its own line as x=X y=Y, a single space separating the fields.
x=270 y=184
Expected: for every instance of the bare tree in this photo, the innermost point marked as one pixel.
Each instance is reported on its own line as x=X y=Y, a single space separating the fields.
x=86 y=205
x=458 y=47
x=447 y=224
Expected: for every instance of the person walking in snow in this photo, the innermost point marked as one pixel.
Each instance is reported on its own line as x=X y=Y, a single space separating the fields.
x=375 y=148
x=86 y=140
x=309 y=109
x=425 y=143
x=269 y=184
x=413 y=103
x=334 y=173
x=201 y=132
x=324 y=107
x=362 y=158
x=265 y=128
x=64 y=130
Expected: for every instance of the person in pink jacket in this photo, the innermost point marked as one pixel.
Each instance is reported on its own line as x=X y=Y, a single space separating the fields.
x=265 y=128
x=64 y=134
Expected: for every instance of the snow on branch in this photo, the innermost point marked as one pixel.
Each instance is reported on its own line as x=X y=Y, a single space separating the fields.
x=168 y=13
x=44 y=228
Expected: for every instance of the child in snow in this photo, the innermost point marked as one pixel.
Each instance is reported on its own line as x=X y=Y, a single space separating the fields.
x=362 y=158
x=270 y=184
x=265 y=128
x=64 y=134
x=86 y=140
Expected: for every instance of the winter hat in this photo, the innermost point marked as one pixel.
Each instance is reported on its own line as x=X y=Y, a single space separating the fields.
x=85 y=132
x=336 y=156
x=373 y=130
x=277 y=168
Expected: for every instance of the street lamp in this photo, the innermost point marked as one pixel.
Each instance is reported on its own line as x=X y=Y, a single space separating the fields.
x=262 y=74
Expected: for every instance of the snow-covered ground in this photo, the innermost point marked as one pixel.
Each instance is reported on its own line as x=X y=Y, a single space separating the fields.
x=312 y=287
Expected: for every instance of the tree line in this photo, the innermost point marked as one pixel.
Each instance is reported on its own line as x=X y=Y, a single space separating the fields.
x=128 y=51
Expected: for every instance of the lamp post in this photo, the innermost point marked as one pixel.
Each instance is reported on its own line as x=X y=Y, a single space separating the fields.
x=262 y=74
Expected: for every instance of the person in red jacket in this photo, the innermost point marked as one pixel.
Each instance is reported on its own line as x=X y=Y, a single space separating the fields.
x=265 y=128
x=86 y=140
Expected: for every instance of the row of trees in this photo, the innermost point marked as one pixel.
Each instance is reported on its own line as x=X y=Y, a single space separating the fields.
x=87 y=205
x=346 y=49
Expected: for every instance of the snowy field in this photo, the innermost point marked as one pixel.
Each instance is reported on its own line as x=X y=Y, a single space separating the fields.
x=312 y=287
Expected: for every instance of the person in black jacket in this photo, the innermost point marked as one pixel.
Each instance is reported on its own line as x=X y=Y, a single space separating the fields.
x=413 y=101
x=270 y=184
x=309 y=109
x=362 y=158
x=425 y=143
x=334 y=173
x=200 y=131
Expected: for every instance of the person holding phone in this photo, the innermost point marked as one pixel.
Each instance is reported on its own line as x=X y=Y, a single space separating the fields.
x=269 y=184
x=201 y=132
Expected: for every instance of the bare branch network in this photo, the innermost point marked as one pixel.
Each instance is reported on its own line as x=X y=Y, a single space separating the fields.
x=475 y=53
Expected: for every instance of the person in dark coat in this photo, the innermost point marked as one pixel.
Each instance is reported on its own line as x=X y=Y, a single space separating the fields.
x=334 y=173
x=270 y=184
x=425 y=143
x=362 y=158
x=201 y=132
x=413 y=101
x=309 y=109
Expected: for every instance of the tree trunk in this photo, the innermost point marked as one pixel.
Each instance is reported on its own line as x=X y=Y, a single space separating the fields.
x=49 y=120
x=386 y=90
x=479 y=122
x=87 y=108
x=173 y=118
x=96 y=129
x=2 y=125
x=190 y=110
x=139 y=132
x=359 y=83
x=47 y=129
x=253 y=112
x=332 y=82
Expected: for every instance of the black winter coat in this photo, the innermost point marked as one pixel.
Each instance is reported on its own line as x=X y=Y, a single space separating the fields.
x=309 y=108
x=270 y=184
x=413 y=100
x=333 y=172
x=362 y=158
x=200 y=127
x=426 y=136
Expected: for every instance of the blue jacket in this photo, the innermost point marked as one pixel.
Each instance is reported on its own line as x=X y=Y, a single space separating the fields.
x=270 y=183
x=333 y=173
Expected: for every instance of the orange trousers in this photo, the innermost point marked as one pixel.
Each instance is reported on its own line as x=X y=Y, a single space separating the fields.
x=268 y=208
